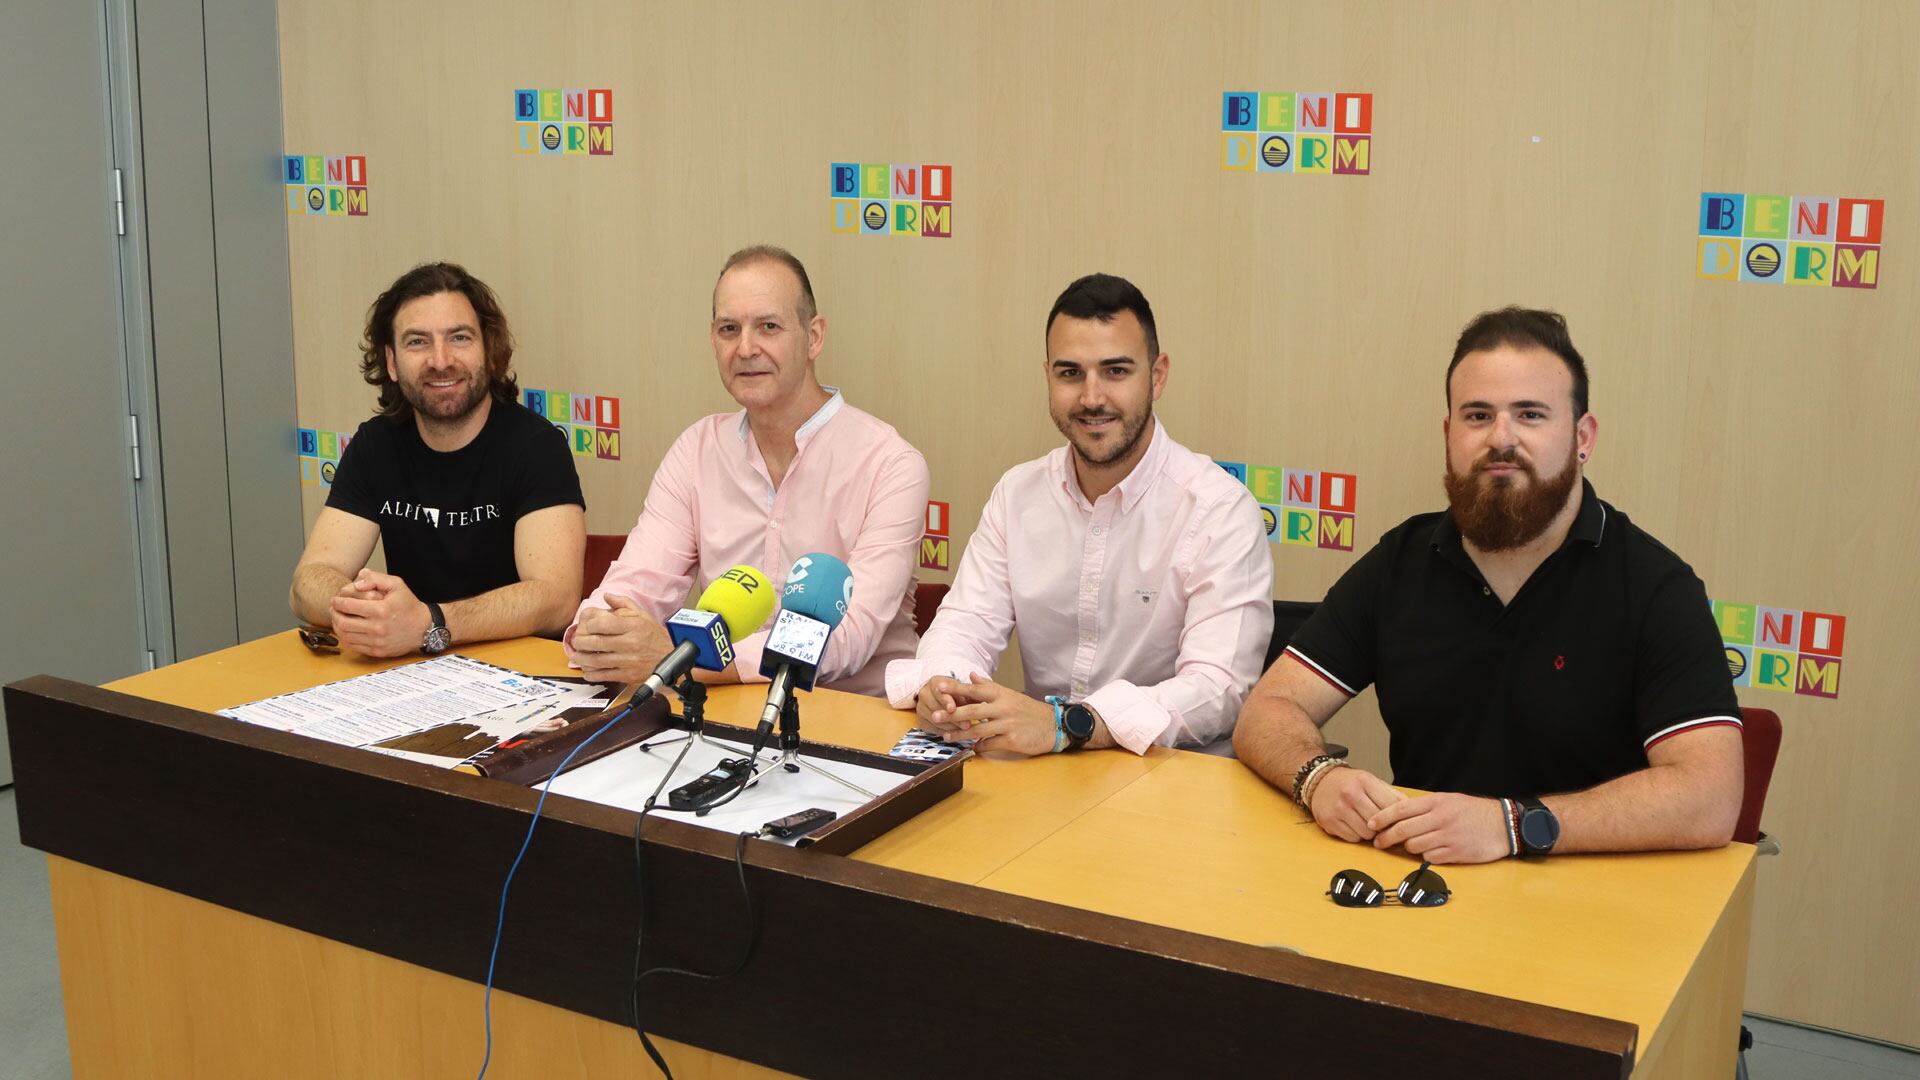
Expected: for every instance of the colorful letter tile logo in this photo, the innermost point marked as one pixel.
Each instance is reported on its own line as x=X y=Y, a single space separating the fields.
x=320 y=454
x=591 y=422
x=1782 y=649
x=1301 y=507
x=934 y=545
x=891 y=200
x=565 y=122
x=1795 y=239
x=1296 y=132
x=322 y=185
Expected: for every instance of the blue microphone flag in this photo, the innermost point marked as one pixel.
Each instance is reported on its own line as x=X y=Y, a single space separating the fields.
x=708 y=633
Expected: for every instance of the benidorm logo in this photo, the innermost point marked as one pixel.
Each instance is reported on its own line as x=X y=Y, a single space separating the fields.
x=1798 y=239
x=565 y=122
x=1782 y=649
x=1301 y=507
x=1288 y=132
x=591 y=422
x=892 y=200
x=320 y=454
x=934 y=545
x=322 y=185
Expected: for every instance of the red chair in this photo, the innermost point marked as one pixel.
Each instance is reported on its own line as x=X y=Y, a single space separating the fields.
x=602 y=549
x=1760 y=743
x=926 y=603
x=1760 y=736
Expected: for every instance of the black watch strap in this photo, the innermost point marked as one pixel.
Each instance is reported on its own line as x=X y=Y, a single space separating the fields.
x=1539 y=829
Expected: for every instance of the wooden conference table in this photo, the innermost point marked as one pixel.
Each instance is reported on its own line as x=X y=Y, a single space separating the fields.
x=158 y=983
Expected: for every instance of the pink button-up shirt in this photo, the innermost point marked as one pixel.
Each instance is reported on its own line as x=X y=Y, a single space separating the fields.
x=856 y=490
x=1153 y=604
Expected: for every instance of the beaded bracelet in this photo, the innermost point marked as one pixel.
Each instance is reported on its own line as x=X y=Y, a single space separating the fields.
x=1306 y=773
x=1313 y=782
x=1306 y=770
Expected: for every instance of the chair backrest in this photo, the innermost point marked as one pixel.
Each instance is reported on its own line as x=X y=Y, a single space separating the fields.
x=1760 y=739
x=926 y=603
x=1288 y=617
x=602 y=549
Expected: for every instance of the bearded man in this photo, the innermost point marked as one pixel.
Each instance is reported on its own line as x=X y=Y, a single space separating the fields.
x=474 y=497
x=1136 y=571
x=1546 y=669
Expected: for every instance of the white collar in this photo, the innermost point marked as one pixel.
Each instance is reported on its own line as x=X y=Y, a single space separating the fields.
x=814 y=423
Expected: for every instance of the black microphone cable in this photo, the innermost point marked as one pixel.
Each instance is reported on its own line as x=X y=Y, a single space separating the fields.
x=640 y=934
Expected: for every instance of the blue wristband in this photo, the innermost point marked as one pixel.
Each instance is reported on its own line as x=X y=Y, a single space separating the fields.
x=1059 y=704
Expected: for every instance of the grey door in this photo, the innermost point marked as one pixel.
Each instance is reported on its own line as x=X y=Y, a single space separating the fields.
x=71 y=602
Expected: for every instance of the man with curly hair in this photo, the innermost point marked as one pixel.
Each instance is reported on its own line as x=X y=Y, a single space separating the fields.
x=474 y=497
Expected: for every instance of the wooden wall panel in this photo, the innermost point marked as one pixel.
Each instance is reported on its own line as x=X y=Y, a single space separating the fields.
x=1538 y=154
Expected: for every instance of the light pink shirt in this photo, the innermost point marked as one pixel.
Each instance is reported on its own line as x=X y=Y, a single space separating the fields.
x=855 y=490
x=1153 y=604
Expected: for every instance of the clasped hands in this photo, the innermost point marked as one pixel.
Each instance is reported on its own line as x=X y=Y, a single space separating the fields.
x=995 y=716
x=618 y=643
x=376 y=614
x=1444 y=827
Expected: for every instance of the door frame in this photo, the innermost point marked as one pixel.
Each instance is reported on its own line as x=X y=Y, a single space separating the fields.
x=136 y=320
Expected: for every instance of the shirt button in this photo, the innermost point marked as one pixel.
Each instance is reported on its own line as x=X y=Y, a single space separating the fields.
x=1097 y=530
x=1484 y=591
x=773 y=524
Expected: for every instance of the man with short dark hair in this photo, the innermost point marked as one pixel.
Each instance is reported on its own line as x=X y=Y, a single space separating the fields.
x=1136 y=571
x=1547 y=669
x=474 y=497
x=795 y=470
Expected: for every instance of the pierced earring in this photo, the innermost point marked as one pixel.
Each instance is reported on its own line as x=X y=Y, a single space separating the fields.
x=1583 y=457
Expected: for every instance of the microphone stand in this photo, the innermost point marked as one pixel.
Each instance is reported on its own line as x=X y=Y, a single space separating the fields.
x=790 y=758
x=693 y=709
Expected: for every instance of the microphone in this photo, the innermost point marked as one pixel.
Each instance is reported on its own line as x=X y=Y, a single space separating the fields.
x=818 y=590
x=733 y=606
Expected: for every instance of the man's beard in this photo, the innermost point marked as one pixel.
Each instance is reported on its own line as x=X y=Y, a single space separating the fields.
x=449 y=411
x=1129 y=434
x=1501 y=515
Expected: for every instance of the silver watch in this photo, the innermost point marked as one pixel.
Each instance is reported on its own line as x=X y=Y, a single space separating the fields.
x=438 y=636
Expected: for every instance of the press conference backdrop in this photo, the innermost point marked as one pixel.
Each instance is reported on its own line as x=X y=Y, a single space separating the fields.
x=1310 y=261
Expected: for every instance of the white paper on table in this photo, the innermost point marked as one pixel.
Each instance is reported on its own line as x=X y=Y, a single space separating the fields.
x=400 y=701
x=519 y=718
x=482 y=732
x=627 y=776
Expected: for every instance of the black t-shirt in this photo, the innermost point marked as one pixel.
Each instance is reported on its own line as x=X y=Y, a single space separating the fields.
x=1608 y=648
x=447 y=518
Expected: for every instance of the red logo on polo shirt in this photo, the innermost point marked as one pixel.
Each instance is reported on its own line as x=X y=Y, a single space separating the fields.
x=1559 y=662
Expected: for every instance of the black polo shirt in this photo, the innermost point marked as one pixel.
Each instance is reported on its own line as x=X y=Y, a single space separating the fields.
x=1608 y=648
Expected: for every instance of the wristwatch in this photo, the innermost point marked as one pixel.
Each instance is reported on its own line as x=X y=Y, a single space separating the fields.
x=1539 y=829
x=1077 y=720
x=438 y=636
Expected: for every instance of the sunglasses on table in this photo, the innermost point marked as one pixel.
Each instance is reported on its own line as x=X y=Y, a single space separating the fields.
x=1422 y=888
x=319 y=640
